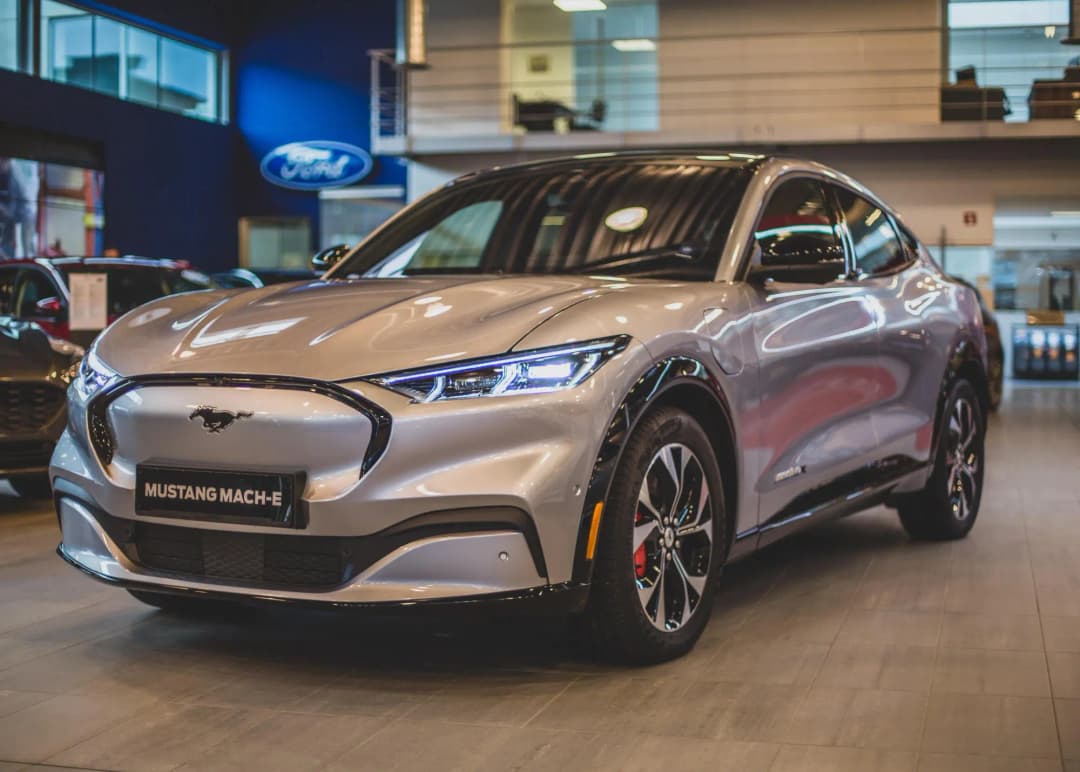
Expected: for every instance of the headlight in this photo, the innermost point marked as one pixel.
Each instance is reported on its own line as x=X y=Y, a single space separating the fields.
x=65 y=347
x=93 y=376
x=528 y=372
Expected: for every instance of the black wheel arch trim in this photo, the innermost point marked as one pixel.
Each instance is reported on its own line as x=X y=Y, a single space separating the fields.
x=659 y=379
x=964 y=356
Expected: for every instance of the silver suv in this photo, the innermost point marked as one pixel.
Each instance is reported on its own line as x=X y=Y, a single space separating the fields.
x=586 y=383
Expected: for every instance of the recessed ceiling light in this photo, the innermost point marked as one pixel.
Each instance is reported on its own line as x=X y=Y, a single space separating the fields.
x=573 y=6
x=634 y=44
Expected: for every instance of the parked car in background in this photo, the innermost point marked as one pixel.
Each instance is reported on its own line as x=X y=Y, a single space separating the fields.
x=586 y=383
x=35 y=370
x=995 y=349
x=260 y=277
x=36 y=289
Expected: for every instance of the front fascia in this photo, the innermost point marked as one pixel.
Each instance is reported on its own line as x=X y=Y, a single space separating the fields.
x=529 y=452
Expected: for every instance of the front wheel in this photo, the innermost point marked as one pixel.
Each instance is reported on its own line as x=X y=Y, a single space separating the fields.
x=662 y=541
x=946 y=508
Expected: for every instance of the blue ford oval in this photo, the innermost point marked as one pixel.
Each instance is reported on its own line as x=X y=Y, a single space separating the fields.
x=316 y=164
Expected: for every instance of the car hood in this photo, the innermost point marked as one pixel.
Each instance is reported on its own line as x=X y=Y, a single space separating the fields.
x=334 y=330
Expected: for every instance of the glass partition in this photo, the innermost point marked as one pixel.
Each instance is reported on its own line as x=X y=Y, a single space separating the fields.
x=129 y=62
x=581 y=66
x=1011 y=52
x=9 y=34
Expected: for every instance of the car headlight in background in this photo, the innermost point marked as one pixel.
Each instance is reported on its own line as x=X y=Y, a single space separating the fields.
x=65 y=347
x=527 y=372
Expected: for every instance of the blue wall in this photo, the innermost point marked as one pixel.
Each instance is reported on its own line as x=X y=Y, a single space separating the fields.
x=175 y=186
x=304 y=75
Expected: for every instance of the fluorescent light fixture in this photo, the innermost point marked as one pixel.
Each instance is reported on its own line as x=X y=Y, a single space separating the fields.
x=1066 y=213
x=1008 y=13
x=634 y=44
x=573 y=6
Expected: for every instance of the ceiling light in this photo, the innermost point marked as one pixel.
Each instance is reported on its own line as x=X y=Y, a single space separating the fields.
x=634 y=44
x=1066 y=213
x=573 y=6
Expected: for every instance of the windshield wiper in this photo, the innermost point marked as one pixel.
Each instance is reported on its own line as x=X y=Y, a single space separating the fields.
x=687 y=252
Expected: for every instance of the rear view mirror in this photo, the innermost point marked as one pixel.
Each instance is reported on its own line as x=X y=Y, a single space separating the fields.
x=327 y=258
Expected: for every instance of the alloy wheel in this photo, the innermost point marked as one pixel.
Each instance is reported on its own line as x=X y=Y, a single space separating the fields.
x=673 y=533
x=962 y=459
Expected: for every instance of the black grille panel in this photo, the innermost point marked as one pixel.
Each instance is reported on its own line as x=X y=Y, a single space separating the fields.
x=278 y=561
x=27 y=407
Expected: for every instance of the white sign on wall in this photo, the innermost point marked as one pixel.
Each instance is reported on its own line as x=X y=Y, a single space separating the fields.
x=89 y=301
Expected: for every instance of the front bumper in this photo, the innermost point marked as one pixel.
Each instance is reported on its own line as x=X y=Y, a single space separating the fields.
x=451 y=566
x=469 y=499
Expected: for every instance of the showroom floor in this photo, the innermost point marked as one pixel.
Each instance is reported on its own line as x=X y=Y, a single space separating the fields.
x=845 y=648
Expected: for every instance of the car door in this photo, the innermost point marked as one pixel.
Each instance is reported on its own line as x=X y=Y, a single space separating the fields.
x=915 y=310
x=816 y=340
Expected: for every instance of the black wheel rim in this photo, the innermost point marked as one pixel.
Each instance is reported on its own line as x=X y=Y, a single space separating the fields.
x=673 y=532
x=963 y=460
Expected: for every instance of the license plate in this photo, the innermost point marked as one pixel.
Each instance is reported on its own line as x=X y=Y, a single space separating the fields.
x=205 y=494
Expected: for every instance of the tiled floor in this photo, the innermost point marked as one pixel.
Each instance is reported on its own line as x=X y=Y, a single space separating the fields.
x=845 y=648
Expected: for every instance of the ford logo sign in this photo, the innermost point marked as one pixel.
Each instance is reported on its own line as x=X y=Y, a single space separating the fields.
x=315 y=165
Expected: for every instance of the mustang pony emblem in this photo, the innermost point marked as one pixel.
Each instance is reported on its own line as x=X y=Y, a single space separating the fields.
x=214 y=420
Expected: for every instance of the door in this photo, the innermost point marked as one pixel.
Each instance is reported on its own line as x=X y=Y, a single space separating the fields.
x=816 y=339
x=915 y=313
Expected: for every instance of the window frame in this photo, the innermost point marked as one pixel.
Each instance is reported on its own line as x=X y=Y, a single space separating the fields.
x=754 y=263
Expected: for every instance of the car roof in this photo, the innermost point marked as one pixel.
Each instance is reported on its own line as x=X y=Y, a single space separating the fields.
x=128 y=261
x=702 y=157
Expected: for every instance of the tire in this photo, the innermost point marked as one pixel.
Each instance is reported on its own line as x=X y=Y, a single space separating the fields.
x=181 y=605
x=31 y=486
x=947 y=507
x=625 y=621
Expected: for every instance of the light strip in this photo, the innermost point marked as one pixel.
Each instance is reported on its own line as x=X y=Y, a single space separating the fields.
x=594 y=530
x=475 y=364
x=633 y=45
x=573 y=6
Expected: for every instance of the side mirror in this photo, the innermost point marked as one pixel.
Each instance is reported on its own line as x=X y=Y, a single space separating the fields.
x=327 y=258
x=48 y=307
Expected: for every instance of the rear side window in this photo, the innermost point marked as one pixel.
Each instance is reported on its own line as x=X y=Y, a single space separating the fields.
x=877 y=247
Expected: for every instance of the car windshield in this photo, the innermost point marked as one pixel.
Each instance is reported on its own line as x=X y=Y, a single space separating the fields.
x=131 y=286
x=657 y=220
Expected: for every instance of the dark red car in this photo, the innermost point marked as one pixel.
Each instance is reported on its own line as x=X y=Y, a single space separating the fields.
x=37 y=289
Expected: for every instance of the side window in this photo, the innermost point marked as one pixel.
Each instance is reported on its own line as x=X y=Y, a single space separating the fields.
x=911 y=242
x=877 y=247
x=797 y=234
x=7 y=290
x=30 y=287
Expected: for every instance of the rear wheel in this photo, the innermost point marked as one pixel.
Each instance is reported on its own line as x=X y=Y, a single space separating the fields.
x=31 y=486
x=662 y=541
x=947 y=507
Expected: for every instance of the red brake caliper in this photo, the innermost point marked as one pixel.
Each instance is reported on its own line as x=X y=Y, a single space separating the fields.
x=639 y=556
